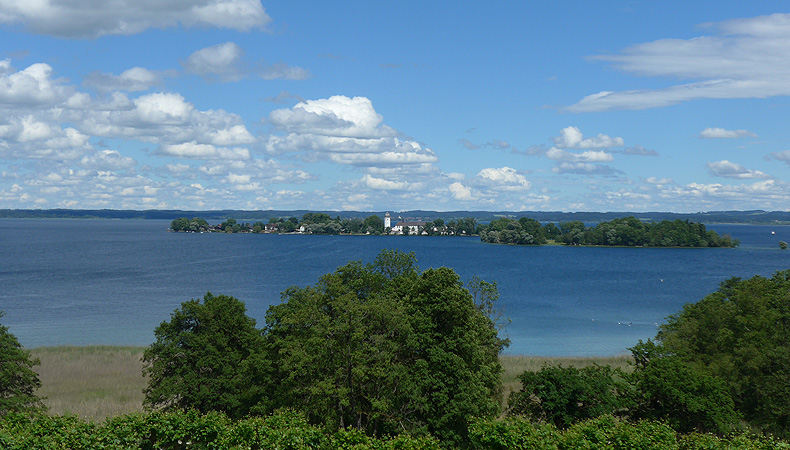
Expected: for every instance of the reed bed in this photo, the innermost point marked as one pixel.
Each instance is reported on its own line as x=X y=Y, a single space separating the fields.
x=98 y=382
x=91 y=382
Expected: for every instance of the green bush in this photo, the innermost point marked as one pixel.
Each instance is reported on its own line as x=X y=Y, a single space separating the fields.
x=565 y=395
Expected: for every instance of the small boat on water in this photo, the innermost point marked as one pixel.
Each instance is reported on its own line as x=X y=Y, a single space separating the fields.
x=773 y=232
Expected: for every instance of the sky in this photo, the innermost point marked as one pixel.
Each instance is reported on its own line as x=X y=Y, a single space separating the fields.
x=671 y=106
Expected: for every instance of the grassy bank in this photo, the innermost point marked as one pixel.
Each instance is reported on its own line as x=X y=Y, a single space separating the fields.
x=99 y=382
x=91 y=382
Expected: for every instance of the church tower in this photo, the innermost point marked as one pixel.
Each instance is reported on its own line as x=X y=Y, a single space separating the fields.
x=387 y=223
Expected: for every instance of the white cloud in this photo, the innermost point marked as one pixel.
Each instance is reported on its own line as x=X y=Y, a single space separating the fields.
x=108 y=160
x=166 y=119
x=223 y=61
x=557 y=154
x=382 y=184
x=31 y=88
x=94 y=18
x=571 y=137
x=504 y=179
x=727 y=169
x=203 y=151
x=131 y=80
x=460 y=192
x=746 y=59
x=336 y=116
x=721 y=133
x=349 y=131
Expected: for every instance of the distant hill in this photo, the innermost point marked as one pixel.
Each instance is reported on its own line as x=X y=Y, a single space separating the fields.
x=745 y=217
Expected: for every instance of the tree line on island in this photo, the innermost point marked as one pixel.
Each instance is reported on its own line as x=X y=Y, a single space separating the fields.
x=623 y=232
x=385 y=356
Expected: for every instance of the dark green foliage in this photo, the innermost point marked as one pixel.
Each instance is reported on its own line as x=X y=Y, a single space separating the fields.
x=194 y=225
x=563 y=396
x=204 y=358
x=512 y=433
x=386 y=349
x=687 y=398
x=741 y=335
x=18 y=380
x=290 y=430
x=608 y=432
x=625 y=232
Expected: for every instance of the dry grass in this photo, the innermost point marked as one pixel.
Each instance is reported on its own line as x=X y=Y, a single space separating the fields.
x=91 y=382
x=516 y=365
x=99 y=382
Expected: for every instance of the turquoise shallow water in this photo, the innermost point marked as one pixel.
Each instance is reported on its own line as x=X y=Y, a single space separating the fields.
x=81 y=282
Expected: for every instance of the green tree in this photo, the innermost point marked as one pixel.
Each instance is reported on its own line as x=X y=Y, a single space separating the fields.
x=205 y=358
x=385 y=348
x=563 y=396
x=740 y=334
x=374 y=224
x=18 y=380
x=688 y=398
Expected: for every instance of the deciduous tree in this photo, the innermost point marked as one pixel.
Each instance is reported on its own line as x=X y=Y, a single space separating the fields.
x=205 y=358
x=18 y=380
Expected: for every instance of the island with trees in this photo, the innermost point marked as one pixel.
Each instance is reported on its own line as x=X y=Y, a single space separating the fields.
x=622 y=232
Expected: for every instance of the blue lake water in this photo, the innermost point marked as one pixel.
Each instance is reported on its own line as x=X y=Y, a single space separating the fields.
x=84 y=282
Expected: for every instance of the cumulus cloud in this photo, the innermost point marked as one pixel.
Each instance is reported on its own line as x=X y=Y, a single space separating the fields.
x=571 y=137
x=747 y=58
x=503 y=179
x=34 y=137
x=108 y=160
x=167 y=119
x=94 y=18
x=203 y=151
x=31 y=88
x=460 y=192
x=131 y=80
x=558 y=154
x=727 y=169
x=223 y=61
x=721 y=133
x=226 y=62
x=335 y=116
x=382 y=184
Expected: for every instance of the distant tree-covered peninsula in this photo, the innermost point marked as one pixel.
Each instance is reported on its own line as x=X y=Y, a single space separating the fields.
x=624 y=232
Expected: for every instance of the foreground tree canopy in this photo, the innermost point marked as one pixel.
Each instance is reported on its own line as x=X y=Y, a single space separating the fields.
x=18 y=380
x=717 y=365
x=741 y=335
x=380 y=347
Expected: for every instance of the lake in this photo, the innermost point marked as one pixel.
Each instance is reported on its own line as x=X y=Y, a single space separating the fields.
x=89 y=282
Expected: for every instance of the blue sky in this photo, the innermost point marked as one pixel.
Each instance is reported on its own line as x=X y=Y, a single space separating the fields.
x=238 y=104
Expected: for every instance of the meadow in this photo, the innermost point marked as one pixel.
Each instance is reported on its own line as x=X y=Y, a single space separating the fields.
x=97 y=382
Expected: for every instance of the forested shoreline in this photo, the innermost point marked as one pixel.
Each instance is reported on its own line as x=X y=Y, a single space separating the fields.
x=623 y=232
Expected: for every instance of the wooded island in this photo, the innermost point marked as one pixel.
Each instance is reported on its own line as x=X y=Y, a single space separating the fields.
x=623 y=232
